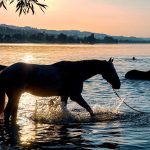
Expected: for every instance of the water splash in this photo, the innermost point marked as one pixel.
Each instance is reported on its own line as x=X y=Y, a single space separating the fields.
x=116 y=110
x=55 y=112
x=52 y=112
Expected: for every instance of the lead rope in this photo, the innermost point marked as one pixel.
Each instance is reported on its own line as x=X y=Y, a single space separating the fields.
x=126 y=103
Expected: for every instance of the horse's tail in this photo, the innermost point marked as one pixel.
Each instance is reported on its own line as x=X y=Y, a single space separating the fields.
x=2 y=67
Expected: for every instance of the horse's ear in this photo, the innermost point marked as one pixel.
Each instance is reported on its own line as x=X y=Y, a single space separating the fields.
x=111 y=60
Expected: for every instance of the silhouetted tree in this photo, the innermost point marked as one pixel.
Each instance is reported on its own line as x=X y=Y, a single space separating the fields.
x=71 y=39
x=24 y=6
x=18 y=37
x=32 y=38
x=39 y=37
x=7 y=38
x=91 y=39
x=62 y=38
x=109 y=39
x=50 y=38
x=1 y=38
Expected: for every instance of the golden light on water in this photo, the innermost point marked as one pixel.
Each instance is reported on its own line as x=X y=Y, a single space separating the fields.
x=28 y=134
x=27 y=100
x=26 y=110
x=27 y=58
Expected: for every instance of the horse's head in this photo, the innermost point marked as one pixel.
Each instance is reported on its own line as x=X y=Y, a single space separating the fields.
x=110 y=75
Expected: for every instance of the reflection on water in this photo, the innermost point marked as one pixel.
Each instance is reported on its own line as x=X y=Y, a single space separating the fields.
x=27 y=58
x=44 y=122
x=59 y=136
x=109 y=135
x=27 y=133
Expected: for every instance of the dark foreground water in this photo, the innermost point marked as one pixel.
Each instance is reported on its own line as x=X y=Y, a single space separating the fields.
x=43 y=123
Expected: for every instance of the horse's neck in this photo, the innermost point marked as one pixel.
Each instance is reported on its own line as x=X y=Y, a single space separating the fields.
x=90 y=68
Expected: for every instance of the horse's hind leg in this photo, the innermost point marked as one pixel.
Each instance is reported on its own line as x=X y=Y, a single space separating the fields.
x=79 y=99
x=12 y=106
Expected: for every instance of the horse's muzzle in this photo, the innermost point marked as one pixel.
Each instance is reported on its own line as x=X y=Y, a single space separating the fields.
x=116 y=86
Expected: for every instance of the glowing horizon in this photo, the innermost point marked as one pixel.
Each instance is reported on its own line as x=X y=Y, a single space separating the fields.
x=113 y=17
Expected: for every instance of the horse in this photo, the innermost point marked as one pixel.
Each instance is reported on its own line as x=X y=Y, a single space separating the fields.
x=138 y=75
x=2 y=67
x=64 y=79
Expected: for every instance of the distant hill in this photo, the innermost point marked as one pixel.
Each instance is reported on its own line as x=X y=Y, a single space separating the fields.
x=14 y=34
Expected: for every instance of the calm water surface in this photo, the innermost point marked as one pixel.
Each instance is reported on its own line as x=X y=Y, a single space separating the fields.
x=43 y=123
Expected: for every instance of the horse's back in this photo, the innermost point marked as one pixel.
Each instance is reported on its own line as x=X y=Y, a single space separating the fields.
x=14 y=72
x=138 y=75
x=47 y=74
x=31 y=74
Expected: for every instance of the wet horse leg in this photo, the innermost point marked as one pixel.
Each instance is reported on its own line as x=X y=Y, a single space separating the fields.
x=15 y=109
x=12 y=106
x=79 y=99
x=64 y=100
x=7 y=111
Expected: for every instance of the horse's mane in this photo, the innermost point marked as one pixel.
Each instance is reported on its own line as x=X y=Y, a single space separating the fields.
x=80 y=63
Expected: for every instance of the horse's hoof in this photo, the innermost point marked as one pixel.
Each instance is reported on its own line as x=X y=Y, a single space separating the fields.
x=93 y=118
x=6 y=122
x=13 y=121
x=93 y=115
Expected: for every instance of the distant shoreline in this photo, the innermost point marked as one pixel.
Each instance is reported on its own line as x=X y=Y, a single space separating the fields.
x=14 y=34
x=66 y=44
x=42 y=43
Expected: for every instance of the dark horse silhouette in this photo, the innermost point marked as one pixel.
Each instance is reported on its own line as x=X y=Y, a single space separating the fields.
x=63 y=79
x=138 y=75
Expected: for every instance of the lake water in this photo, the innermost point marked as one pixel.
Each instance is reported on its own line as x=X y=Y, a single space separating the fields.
x=44 y=124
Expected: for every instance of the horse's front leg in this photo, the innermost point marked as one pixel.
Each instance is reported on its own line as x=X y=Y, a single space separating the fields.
x=79 y=99
x=15 y=109
x=7 y=111
x=64 y=100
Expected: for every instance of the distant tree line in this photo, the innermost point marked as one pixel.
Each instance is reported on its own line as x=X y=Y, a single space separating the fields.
x=46 y=38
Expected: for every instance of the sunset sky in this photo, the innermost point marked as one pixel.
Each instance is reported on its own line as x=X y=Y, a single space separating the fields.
x=114 y=17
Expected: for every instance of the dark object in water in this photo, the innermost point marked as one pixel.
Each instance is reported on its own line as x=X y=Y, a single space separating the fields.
x=64 y=79
x=138 y=75
x=133 y=58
